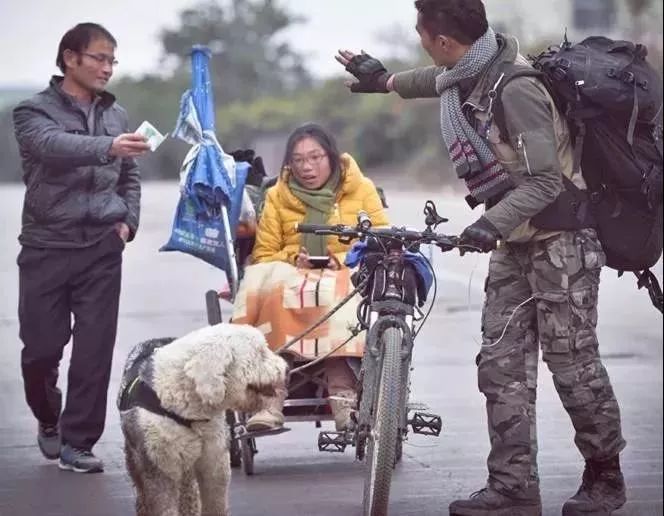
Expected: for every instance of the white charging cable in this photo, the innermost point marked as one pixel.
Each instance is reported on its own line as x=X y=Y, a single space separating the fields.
x=509 y=320
x=508 y=323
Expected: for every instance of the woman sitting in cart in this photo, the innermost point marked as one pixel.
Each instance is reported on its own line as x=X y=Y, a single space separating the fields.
x=297 y=278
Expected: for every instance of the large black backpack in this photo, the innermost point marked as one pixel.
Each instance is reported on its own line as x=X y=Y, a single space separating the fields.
x=612 y=99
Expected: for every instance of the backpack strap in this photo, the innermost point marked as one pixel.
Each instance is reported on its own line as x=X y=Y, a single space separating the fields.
x=513 y=71
x=657 y=137
x=577 y=115
x=509 y=72
x=648 y=280
x=579 y=198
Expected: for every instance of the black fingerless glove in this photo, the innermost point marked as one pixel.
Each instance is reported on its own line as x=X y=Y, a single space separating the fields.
x=372 y=76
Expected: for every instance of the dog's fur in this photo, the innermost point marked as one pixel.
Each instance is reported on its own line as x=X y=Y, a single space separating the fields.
x=182 y=471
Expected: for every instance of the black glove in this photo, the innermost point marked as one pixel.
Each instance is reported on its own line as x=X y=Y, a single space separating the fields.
x=480 y=236
x=257 y=171
x=447 y=244
x=370 y=73
x=243 y=155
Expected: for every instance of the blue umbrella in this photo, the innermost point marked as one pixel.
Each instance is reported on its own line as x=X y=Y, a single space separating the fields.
x=211 y=180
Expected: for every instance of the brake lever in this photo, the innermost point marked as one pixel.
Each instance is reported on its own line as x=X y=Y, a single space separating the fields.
x=450 y=243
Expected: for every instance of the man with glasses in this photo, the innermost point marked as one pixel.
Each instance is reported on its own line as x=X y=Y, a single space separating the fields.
x=81 y=206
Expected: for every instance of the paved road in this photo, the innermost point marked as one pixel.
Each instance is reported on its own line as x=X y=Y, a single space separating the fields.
x=163 y=295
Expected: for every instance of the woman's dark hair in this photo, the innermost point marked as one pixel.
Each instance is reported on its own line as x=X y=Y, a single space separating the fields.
x=79 y=38
x=322 y=136
x=463 y=20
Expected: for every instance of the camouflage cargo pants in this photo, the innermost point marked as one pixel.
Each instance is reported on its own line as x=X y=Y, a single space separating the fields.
x=561 y=274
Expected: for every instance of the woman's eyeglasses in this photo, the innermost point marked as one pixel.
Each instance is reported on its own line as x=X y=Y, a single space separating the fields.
x=313 y=159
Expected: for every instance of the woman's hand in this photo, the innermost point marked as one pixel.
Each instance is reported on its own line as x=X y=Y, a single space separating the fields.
x=302 y=259
x=334 y=264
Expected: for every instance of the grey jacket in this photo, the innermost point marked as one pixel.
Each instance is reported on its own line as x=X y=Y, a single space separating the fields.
x=538 y=151
x=75 y=192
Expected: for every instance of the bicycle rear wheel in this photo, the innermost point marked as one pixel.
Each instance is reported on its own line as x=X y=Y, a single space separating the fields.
x=234 y=447
x=247 y=449
x=385 y=417
x=213 y=308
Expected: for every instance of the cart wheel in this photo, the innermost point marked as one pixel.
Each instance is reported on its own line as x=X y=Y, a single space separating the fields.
x=248 y=449
x=213 y=307
x=234 y=448
x=398 y=454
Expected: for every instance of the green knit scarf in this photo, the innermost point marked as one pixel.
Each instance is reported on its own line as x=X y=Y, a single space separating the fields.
x=319 y=205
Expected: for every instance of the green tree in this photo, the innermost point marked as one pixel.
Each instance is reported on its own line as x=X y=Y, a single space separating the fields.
x=10 y=164
x=638 y=7
x=248 y=59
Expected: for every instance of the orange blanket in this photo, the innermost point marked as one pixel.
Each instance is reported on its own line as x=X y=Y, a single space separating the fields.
x=283 y=301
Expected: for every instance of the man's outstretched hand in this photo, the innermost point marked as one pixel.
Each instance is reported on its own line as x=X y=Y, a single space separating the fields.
x=371 y=75
x=129 y=145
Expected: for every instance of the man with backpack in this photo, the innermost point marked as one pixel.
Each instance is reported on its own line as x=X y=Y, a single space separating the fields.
x=509 y=142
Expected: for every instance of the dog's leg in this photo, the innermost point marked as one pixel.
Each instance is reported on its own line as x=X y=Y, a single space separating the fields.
x=157 y=481
x=132 y=462
x=213 y=471
x=160 y=495
x=190 y=501
x=156 y=492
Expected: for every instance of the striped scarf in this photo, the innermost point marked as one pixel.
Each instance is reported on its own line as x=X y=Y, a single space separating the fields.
x=472 y=158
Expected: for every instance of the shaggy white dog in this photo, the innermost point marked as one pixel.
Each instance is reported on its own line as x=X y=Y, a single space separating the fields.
x=172 y=402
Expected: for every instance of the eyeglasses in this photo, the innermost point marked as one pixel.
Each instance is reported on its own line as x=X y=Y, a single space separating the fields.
x=313 y=159
x=101 y=58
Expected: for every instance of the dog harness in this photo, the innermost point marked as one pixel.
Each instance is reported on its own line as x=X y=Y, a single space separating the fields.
x=137 y=392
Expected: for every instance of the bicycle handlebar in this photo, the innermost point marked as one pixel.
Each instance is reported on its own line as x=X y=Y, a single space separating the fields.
x=315 y=228
x=394 y=233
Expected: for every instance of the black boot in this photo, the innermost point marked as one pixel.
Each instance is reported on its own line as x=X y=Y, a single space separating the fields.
x=602 y=490
x=489 y=502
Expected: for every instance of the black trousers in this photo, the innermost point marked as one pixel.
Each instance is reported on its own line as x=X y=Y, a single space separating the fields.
x=55 y=284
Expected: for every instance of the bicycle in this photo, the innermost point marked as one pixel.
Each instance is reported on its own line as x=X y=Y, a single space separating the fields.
x=388 y=311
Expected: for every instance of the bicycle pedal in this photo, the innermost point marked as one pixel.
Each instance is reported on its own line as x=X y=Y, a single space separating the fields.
x=426 y=424
x=334 y=442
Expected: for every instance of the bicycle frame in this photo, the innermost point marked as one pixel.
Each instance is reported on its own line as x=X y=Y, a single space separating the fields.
x=389 y=312
x=382 y=420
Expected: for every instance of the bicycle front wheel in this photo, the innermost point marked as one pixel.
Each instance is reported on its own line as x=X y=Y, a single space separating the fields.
x=385 y=417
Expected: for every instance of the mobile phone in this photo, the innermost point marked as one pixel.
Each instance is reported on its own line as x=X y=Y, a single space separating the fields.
x=319 y=262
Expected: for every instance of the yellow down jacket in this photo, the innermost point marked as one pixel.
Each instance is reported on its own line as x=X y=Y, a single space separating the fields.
x=276 y=238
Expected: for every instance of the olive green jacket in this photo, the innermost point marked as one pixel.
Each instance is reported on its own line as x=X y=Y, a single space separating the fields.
x=536 y=154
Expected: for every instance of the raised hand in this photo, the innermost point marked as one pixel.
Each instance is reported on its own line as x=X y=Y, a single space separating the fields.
x=371 y=75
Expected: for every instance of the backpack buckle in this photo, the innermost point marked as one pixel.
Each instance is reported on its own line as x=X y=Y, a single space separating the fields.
x=559 y=74
x=595 y=197
x=627 y=77
x=563 y=63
